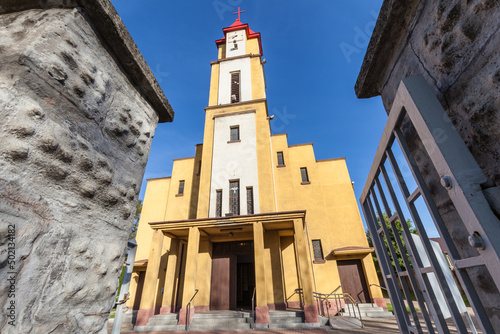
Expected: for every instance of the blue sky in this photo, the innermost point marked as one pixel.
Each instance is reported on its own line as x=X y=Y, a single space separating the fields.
x=314 y=50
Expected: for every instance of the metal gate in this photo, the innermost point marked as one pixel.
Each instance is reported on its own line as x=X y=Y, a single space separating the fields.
x=422 y=270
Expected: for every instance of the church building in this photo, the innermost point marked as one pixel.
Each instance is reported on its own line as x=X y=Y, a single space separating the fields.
x=248 y=215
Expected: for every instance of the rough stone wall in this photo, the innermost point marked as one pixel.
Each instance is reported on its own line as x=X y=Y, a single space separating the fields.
x=74 y=141
x=455 y=46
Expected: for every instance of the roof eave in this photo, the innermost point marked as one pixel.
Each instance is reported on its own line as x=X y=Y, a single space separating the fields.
x=392 y=24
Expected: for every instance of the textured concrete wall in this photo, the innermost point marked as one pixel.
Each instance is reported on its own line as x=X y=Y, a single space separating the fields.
x=75 y=137
x=455 y=46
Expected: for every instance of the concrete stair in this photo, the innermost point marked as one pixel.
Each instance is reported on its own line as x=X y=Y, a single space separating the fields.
x=367 y=310
x=287 y=320
x=160 y=322
x=130 y=316
x=229 y=320
x=224 y=320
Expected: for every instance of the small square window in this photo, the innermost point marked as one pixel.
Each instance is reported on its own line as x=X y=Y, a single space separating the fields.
x=281 y=160
x=303 y=174
x=181 y=188
x=317 y=250
x=235 y=133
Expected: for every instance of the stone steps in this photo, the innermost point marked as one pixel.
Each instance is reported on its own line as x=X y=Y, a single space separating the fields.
x=204 y=321
x=229 y=321
x=367 y=310
x=160 y=322
x=130 y=316
x=288 y=320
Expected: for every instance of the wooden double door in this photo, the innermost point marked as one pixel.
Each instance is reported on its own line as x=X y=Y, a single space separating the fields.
x=233 y=275
x=352 y=279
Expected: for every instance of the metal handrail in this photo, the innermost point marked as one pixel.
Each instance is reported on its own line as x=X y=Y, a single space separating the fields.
x=252 y=322
x=348 y=299
x=379 y=286
x=299 y=292
x=188 y=310
x=355 y=303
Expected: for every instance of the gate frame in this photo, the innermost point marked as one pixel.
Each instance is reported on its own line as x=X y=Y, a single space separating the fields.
x=462 y=177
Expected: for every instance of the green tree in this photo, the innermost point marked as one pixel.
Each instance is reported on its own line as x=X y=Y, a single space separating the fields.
x=138 y=210
x=392 y=235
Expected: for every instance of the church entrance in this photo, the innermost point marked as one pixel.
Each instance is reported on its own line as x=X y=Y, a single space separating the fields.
x=233 y=275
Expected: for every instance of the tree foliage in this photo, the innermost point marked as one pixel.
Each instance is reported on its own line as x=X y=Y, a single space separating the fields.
x=392 y=237
x=138 y=210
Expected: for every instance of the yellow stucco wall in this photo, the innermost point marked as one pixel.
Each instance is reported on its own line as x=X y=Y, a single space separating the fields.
x=257 y=73
x=274 y=289
x=203 y=280
x=153 y=210
x=213 y=96
x=253 y=46
x=290 y=278
x=332 y=212
x=179 y=206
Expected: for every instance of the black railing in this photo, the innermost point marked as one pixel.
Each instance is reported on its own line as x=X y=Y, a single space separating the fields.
x=344 y=303
x=252 y=320
x=188 y=310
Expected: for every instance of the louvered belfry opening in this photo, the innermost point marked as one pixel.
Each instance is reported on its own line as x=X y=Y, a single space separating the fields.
x=235 y=87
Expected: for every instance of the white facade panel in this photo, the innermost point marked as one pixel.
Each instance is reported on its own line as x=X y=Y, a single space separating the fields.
x=234 y=161
x=226 y=67
x=236 y=43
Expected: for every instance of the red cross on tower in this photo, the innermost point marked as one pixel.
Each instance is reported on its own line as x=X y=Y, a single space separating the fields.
x=239 y=12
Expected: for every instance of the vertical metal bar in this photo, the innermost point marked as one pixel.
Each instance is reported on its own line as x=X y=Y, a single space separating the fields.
x=413 y=253
x=402 y=250
x=450 y=300
x=380 y=250
x=339 y=305
x=398 y=268
x=117 y=324
x=452 y=158
x=464 y=278
x=328 y=307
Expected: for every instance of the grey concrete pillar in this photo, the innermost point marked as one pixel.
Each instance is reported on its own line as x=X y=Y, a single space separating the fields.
x=78 y=107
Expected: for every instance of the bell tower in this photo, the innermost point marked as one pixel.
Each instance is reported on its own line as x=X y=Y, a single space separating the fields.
x=233 y=165
x=238 y=74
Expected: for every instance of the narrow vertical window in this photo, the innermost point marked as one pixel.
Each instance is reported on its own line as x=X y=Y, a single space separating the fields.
x=317 y=250
x=235 y=87
x=234 y=197
x=218 y=204
x=303 y=174
x=181 y=188
x=250 y=200
x=235 y=133
x=281 y=160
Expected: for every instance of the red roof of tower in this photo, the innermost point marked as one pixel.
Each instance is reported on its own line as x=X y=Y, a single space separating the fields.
x=237 y=25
